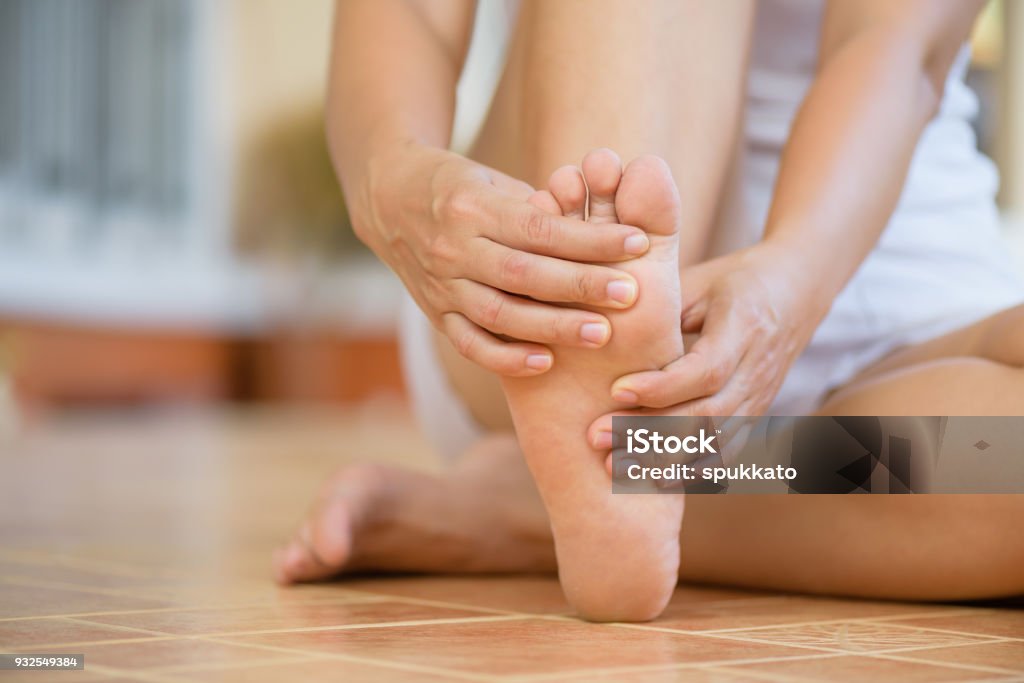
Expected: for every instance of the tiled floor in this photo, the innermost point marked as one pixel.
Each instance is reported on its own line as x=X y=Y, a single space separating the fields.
x=143 y=543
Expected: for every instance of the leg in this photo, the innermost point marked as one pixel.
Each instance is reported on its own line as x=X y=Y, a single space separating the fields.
x=579 y=76
x=840 y=545
x=981 y=367
x=857 y=545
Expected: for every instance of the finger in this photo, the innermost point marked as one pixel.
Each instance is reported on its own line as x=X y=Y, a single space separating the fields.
x=703 y=371
x=600 y=434
x=522 y=226
x=510 y=359
x=501 y=313
x=511 y=186
x=552 y=279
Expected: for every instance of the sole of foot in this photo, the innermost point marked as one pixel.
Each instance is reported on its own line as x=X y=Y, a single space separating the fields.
x=618 y=554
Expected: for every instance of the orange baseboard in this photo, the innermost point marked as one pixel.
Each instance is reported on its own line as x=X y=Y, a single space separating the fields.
x=65 y=364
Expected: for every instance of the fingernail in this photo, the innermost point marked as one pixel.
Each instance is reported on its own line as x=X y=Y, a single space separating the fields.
x=538 y=361
x=595 y=333
x=625 y=396
x=637 y=244
x=623 y=291
x=602 y=440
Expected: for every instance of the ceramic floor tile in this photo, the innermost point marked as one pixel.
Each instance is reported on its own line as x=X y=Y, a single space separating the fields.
x=533 y=594
x=1005 y=655
x=22 y=633
x=524 y=646
x=284 y=616
x=19 y=600
x=858 y=668
x=1008 y=623
x=860 y=636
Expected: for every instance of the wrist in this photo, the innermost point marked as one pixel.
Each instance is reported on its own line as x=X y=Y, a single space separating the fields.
x=789 y=266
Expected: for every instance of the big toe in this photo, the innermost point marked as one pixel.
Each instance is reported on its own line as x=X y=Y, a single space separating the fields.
x=647 y=197
x=320 y=549
x=602 y=169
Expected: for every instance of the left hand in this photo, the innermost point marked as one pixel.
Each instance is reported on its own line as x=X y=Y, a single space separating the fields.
x=756 y=310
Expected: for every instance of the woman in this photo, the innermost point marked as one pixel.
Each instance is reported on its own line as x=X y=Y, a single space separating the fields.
x=830 y=233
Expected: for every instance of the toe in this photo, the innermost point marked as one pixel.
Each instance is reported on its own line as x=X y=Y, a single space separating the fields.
x=602 y=169
x=545 y=201
x=320 y=549
x=569 y=191
x=647 y=197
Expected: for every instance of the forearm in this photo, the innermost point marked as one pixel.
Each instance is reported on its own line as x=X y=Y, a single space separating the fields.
x=843 y=169
x=392 y=81
x=853 y=139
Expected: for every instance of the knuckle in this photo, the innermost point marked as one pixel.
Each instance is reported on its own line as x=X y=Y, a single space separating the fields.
x=439 y=252
x=465 y=343
x=539 y=228
x=583 y=285
x=514 y=269
x=715 y=376
x=457 y=205
x=561 y=329
x=492 y=312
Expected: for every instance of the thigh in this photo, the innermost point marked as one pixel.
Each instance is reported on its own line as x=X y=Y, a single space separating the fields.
x=884 y=546
x=978 y=370
x=479 y=390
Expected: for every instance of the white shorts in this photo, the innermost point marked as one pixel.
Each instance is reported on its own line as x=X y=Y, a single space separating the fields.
x=923 y=280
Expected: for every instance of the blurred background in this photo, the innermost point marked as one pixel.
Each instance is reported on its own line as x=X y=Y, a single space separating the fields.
x=171 y=231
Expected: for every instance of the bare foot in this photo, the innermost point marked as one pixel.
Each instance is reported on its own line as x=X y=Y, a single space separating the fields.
x=618 y=555
x=483 y=516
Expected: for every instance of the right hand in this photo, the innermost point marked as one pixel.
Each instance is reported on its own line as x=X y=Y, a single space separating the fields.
x=481 y=261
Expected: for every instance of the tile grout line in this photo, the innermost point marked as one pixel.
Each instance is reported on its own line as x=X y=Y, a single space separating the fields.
x=416 y=668
x=442 y=603
x=116 y=627
x=719 y=636
x=148 y=676
x=195 y=608
x=960 y=633
x=356 y=627
x=655 y=668
x=100 y=567
x=884 y=618
x=896 y=656
x=759 y=675
x=227 y=666
x=164 y=635
x=137 y=594
x=989 y=640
